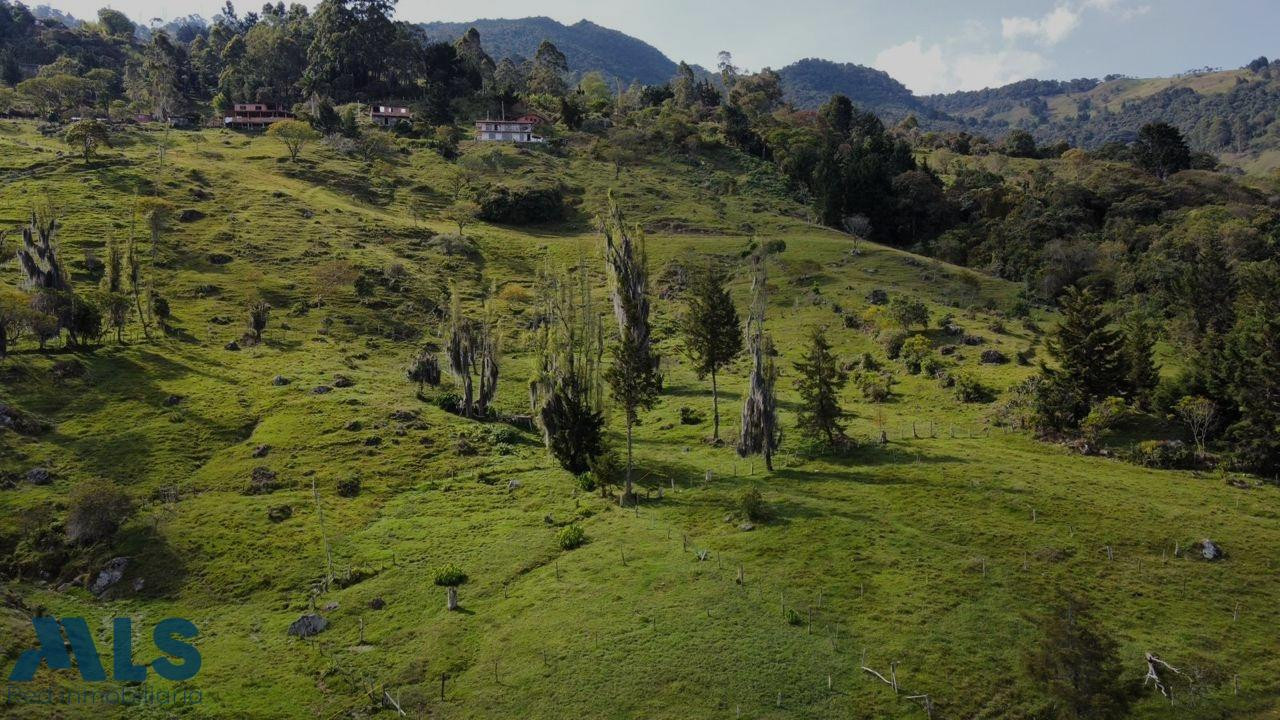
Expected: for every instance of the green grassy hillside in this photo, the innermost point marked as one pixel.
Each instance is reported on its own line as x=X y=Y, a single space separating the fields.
x=935 y=552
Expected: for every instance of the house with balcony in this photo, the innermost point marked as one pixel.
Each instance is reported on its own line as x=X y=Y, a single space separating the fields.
x=388 y=116
x=255 y=116
x=519 y=130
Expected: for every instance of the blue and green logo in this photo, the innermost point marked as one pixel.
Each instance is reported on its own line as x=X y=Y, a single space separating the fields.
x=168 y=636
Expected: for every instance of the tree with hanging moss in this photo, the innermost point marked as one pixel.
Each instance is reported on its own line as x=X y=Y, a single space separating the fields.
x=633 y=376
x=472 y=351
x=712 y=331
x=819 y=382
x=760 y=433
x=424 y=370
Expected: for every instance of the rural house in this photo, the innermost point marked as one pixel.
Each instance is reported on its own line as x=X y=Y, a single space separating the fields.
x=388 y=115
x=518 y=130
x=255 y=116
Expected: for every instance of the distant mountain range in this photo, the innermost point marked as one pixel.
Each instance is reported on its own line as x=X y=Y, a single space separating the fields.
x=1228 y=112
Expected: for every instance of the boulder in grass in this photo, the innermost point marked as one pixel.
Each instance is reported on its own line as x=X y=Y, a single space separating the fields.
x=261 y=451
x=110 y=574
x=262 y=481
x=39 y=476
x=308 y=626
x=1209 y=550
x=280 y=380
x=342 y=381
x=232 y=346
x=321 y=390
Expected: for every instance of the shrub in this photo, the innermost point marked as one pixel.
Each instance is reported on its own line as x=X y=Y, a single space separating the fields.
x=449 y=575
x=914 y=351
x=892 y=343
x=934 y=366
x=1104 y=415
x=586 y=482
x=1162 y=454
x=349 y=488
x=691 y=416
x=522 y=206
x=794 y=617
x=95 y=509
x=752 y=505
x=570 y=537
x=450 y=402
x=606 y=468
x=968 y=388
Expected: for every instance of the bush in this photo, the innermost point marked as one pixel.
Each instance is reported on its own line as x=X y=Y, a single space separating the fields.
x=449 y=575
x=752 y=505
x=892 y=343
x=1104 y=416
x=914 y=351
x=794 y=617
x=586 y=482
x=606 y=468
x=349 y=488
x=1162 y=454
x=95 y=509
x=450 y=402
x=691 y=416
x=968 y=388
x=570 y=537
x=522 y=206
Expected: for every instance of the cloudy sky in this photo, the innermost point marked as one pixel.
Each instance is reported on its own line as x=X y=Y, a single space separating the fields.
x=930 y=45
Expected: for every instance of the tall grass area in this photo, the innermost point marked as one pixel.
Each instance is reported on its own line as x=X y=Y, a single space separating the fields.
x=934 y=553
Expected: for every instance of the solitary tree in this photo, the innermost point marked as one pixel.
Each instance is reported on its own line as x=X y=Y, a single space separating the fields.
x=633 y=377
x=1078 y=667
x=88 y=136
x=1200 y=416
x=424 y=370
x=819 y=383
x=472 y=350
x=295 y=134
x=712 y=331
x=259 y=311
x=1161 y=150
x=760 y=433
x=461 y=213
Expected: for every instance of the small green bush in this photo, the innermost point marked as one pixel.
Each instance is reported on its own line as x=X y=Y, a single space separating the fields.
x=570 y=537
x=449 y=575
x=1163 y=454
x=969 y=389
x=794 y=617
x=349 y=488
x=752 y=505
x=586 y=482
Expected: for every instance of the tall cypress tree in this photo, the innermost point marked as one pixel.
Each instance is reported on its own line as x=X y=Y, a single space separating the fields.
x=1090 y=357
x=1252 y=369
x=712 y=333
x=1142 y=373
x=819 y=385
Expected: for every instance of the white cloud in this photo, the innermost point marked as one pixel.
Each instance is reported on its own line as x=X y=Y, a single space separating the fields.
x=933 y=69
x=1048 y=30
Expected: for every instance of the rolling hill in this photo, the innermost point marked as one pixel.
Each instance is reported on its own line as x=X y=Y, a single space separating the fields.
x=302 y=474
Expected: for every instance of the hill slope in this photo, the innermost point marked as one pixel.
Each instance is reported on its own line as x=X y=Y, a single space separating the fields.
x=932 y=553
x=586 y=46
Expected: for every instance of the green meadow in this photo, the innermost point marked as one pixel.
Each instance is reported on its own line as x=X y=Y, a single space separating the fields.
x=927 y=558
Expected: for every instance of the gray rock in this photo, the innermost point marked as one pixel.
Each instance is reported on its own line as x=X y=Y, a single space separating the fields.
x=747 y=527
x=172 y=400
x=353 y=425
x=342 y=381
x=280 y=380
x=109 y=575
x=1210 y=550
x=991 y=356
x=233 y=346
x=261 y=451
x=513 y=485
x=308 y=625
x=39 y=476
x=321 y=390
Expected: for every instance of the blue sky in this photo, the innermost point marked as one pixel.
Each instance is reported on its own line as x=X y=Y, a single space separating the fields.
x=931 y=46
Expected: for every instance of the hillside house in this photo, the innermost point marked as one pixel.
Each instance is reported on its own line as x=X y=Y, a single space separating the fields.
x=255 y=116
x=519 y=130
x=388 y=116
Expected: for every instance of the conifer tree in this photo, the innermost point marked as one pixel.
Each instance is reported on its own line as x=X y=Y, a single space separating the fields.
x=1143 y=375
x=1253 y=371
x=712 y=331
x=819 y=383
x=633 y=377
x=760 y=433
x=1090 y=357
